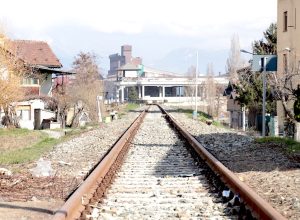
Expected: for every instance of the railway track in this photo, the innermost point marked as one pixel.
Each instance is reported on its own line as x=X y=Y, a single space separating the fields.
x=158 y=175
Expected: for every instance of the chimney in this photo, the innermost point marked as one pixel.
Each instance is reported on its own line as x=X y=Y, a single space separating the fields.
x=126 y=51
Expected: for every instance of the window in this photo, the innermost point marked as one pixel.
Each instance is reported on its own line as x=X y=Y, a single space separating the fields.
x=285 y=63
x=30 y=81
x=24 y=115
x=23 y=112
x=285 y=21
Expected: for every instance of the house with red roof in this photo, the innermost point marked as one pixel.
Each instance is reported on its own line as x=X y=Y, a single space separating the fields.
x=40 y=65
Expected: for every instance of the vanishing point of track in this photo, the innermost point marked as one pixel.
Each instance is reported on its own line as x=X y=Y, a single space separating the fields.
x=158 y=171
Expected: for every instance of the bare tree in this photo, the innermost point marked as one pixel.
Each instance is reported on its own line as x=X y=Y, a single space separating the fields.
x=234 y=61
x=219 y=97
x=87 y=85
x=189 y=91
x=210 y=90
x=63 y=103
x=286 y=89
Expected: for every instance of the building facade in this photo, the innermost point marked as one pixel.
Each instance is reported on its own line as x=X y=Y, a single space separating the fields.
x=288 y=46
x=116 y=60
x=288 y=35
x=158 y=86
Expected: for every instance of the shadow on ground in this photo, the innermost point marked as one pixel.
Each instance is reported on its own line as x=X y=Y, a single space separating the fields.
x=28 y=208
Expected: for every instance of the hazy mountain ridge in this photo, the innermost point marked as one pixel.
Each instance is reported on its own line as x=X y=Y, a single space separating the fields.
x=181 y=59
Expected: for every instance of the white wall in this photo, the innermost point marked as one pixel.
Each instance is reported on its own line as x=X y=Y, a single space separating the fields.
x=131 y=73
x=55 y=125
x=34 y=104
x=173 y=99
x=27 y=124
x=46 y=114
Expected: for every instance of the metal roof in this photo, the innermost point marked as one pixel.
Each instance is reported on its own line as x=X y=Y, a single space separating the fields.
x=50 y=70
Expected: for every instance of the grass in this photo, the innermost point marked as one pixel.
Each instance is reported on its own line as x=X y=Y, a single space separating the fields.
x=292 y=146
x=22 y=145
x=18 y=138
x=131 y=106
x=29 y=153
x=14 y=132
x=127 y=108
x=217 y=124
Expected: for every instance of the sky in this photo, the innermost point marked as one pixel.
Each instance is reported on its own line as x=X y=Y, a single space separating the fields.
x=158 y=29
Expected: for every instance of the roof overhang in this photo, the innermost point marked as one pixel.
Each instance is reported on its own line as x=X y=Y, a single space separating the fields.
x=52 y=70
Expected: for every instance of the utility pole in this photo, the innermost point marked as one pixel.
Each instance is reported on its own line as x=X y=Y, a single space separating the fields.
x=195 y=113
x=244 y=117
x=264 y=64
x=98 y=99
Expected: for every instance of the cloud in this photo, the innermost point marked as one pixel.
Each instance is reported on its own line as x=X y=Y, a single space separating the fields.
x=153 y=27
x=191 y=18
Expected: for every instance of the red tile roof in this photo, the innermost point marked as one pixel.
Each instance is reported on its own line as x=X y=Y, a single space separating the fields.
x=34 y=52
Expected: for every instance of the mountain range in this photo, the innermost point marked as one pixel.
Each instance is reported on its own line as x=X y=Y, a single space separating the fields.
x=179 y=60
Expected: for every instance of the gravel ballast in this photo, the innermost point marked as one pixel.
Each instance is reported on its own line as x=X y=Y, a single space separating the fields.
x=264 y=167
x=160 y=180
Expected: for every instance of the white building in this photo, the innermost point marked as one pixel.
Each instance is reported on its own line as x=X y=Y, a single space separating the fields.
x=160 y=86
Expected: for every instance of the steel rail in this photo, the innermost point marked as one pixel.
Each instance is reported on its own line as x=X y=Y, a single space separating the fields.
x=76 y=204
x=258 y=205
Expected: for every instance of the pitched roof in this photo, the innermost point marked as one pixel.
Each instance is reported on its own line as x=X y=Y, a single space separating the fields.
x=33 y=52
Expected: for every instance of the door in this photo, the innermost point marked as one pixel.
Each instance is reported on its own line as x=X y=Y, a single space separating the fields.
x=37 y=119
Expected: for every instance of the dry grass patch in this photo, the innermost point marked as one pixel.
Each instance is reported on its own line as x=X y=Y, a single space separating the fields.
x=13 y=139
x=22 y=145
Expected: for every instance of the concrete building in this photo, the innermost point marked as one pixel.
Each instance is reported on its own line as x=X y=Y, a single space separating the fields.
x=288 y=45
x=288 y=35
x=158 y=86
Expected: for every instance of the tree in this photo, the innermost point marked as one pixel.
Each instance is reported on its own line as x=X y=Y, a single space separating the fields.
x=249 y=90
x=284 y=84
x=267 y=45
x=189 y=91
x=11 y=72
x=234 y=61
x=210 y=90
x=249 y=84
x=63 y=103
x=297 y=104
x=132 y=94
x=87 y=85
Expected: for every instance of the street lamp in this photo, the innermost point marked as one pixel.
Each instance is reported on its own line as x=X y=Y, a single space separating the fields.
x=264 y=65
x=245 y=51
